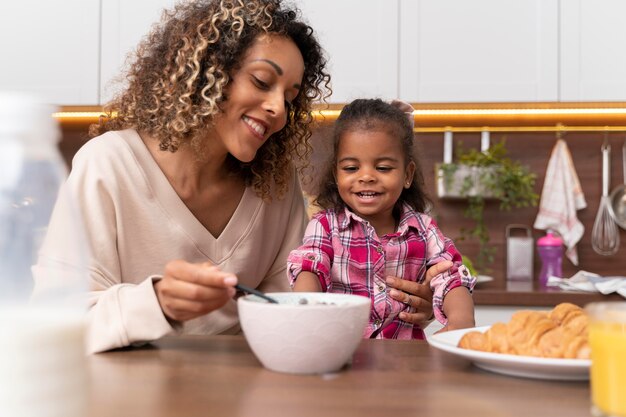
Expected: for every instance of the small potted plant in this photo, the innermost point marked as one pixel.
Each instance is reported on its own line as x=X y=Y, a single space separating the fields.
x=481 y=175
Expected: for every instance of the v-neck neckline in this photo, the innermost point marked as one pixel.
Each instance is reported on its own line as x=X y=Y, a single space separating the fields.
x=217 y=249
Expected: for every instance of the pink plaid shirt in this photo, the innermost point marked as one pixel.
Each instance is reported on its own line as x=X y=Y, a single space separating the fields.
x=345 y=253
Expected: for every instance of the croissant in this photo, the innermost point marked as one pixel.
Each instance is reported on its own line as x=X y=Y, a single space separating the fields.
x=559 y=333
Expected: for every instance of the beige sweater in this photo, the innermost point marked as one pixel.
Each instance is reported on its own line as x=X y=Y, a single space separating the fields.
x=136 y=223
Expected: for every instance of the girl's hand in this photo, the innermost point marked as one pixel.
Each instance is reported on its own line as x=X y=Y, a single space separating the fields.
x=188 y=290
x=418 y=296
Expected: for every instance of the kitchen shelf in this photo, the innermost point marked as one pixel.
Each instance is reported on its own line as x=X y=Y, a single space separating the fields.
x=529 y=294
x=556 y=128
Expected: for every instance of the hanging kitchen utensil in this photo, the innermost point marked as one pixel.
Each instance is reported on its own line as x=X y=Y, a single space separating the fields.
x=605 y=235
x=617 y=208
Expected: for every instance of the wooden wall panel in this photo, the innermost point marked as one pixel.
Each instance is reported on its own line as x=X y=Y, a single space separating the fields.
x=531 y=149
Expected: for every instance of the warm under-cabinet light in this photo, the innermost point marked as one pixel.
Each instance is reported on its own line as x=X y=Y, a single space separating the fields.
x=469 y=118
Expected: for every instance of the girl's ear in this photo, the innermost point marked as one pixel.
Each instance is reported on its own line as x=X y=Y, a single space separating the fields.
x=409 y=174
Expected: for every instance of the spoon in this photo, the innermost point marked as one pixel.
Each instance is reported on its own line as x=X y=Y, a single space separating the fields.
x=258 y=293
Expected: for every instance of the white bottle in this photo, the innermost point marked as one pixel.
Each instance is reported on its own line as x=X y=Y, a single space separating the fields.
x=42 y=353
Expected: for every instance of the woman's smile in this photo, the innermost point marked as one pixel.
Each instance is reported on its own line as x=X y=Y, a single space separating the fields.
x=257 y=127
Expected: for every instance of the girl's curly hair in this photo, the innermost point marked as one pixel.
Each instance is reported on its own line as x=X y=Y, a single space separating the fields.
x=177 y=79
x=377 y=115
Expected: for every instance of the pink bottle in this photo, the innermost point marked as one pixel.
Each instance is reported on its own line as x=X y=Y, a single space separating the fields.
x=550 y=248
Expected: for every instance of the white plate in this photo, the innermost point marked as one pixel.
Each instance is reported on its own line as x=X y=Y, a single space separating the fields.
x=483 y=278
x=514 y=365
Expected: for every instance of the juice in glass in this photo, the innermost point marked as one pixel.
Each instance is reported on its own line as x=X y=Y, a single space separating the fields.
x=607 y=338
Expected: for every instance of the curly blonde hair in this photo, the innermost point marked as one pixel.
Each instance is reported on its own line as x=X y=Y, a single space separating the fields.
x=177 y=79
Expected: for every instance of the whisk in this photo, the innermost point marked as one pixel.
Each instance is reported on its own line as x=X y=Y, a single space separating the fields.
x=605 y=235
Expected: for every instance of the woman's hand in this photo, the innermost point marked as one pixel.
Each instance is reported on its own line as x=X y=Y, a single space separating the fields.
x=188 y=290
x=418 y=296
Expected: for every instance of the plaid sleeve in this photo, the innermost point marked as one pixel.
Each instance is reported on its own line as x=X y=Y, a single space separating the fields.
x=315 y=253
x=441 y=248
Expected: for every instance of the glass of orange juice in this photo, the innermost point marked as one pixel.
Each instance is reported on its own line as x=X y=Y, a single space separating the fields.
x=607 y=338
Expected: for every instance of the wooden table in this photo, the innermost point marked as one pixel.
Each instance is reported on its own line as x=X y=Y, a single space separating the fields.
x=219 y=376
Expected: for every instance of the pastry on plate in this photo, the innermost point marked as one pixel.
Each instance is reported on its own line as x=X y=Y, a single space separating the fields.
x=559 y=333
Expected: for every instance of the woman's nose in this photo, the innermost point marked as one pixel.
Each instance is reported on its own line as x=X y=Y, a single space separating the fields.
x=275 y=105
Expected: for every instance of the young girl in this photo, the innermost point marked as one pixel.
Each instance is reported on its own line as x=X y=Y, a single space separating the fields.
x=374 y=226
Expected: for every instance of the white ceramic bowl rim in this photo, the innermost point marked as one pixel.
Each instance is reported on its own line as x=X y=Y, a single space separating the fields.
x=290 y=299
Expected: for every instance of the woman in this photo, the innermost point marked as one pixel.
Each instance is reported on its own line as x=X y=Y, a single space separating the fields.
x=190 y=187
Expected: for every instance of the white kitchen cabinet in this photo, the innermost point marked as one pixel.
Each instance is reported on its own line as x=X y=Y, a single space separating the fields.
x=435 y=50
x=51 y=49
x=360 y=37
x=478 y=51
x=70 y=51
x=361 y=41
x=124 y=24
x=593 y=50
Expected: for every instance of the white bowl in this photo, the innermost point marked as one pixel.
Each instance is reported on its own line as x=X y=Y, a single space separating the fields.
x=300 y=338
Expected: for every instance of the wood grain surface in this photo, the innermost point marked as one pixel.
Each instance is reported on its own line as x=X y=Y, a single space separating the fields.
x=219 y=376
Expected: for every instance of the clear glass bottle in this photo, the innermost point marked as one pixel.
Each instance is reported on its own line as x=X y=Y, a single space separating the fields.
x=42 y=350
x=32 y=172
x=550 y=249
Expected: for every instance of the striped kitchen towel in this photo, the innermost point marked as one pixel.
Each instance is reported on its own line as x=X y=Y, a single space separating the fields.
x=561 y=197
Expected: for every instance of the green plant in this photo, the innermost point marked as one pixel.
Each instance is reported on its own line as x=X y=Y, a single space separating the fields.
x=469 y=265
x=498 y=176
